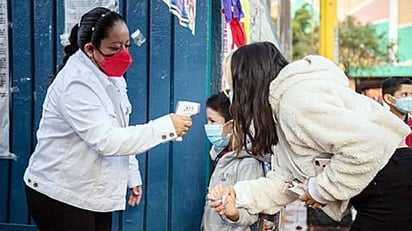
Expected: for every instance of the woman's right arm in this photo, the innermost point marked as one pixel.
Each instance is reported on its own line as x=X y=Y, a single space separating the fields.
x=264 y=195
x=83 y=110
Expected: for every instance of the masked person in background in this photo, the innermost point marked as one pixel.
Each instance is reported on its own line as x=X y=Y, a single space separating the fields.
x=84 y=159
x=230 y=164
x=308 y=111
x=397 y=93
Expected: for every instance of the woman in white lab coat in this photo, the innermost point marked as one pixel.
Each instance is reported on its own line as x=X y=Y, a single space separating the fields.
x=84 y=159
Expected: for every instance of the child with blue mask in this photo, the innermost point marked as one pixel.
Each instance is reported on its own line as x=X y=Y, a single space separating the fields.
x=230 y=164
x=219 y=121
x=397 y=93
x=214 y=133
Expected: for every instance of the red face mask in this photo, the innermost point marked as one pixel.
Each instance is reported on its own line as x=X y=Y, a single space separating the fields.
x=115 y=65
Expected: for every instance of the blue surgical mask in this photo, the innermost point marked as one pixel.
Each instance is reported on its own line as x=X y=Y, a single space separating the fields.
x=214 y=134
x=404 y=105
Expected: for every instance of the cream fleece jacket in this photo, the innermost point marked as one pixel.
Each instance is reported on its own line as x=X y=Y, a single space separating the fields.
x=317 y=115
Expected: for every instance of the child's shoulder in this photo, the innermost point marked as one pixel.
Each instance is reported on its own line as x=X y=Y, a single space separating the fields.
x=244 y=156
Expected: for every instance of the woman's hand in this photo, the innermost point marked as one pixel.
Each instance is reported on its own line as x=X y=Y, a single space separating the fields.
x=309 y=201
x=135 y=195
x=181 y=123
x=223 y=200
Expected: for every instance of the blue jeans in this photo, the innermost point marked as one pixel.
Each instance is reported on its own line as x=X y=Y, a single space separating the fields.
x=386 y=203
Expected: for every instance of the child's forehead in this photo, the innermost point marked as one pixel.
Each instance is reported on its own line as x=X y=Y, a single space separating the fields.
x=213 y=113
x=404 y=88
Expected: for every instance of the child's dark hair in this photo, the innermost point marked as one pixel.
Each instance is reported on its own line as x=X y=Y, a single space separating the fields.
x=220 y=103
x=390 y=85
x=94 y=26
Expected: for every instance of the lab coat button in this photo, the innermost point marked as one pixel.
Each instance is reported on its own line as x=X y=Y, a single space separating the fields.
x=35 y=185
x=29 y=180
x=171 y=134
x=164 y=137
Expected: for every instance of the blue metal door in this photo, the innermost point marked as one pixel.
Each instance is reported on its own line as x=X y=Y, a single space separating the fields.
x=171 y=65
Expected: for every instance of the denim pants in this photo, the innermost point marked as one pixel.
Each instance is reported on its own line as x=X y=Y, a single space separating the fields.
x=386 y=203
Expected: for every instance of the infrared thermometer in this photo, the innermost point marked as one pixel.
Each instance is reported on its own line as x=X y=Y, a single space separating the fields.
x=188 y=108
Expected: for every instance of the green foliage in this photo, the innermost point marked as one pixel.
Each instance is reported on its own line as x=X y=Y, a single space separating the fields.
x=304 y=33
x=360 y=47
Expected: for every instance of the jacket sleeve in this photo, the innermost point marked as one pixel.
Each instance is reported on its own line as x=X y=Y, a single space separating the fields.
x=83 y=109
x=359 y=133
x=135 y=179
x=265 y=194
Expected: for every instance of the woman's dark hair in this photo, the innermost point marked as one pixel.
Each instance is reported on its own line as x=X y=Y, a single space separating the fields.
x=94 y=26
x=220 y=103
x=253 y=68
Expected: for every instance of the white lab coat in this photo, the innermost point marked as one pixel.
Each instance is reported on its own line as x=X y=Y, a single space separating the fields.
x=85 y=151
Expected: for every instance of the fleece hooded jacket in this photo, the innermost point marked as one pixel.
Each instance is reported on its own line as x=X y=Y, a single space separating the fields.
x=318 y=115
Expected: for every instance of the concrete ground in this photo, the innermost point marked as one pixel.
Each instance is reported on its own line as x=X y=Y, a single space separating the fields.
x=293 y=218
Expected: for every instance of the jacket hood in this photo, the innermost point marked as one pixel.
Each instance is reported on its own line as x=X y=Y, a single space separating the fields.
x=311 y=67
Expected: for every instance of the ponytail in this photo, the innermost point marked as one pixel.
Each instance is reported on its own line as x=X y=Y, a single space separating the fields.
x=71 y=48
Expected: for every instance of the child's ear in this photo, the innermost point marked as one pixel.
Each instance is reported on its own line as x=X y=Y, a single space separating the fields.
x=389 y=99
x=228 y=128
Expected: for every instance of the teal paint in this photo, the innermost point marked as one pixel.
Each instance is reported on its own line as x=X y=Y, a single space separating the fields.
x=171 y=65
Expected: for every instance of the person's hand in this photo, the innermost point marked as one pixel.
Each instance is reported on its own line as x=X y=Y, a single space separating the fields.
x=181 y=123
x=231 y=211
x=217 y=199
x=223 y=199
x=309 y=201
x=135 y=195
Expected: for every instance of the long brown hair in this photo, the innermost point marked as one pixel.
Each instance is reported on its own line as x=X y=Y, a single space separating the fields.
x=253 y=67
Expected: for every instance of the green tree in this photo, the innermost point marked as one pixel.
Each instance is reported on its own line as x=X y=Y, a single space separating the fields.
x=360 y=46
x=304 y=33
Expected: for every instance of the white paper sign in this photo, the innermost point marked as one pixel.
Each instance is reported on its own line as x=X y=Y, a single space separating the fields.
x=74 y=9
x=4 y=85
